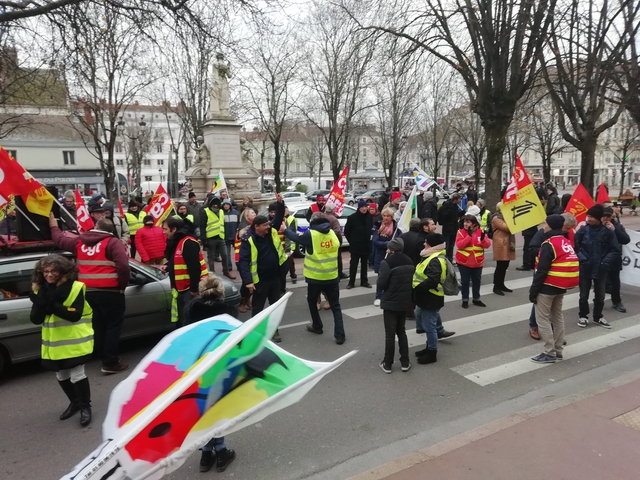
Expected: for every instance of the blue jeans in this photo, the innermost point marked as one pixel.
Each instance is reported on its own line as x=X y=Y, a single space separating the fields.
x=216 y=444
x=473 y=276
x=428 y=320
x=532 y=318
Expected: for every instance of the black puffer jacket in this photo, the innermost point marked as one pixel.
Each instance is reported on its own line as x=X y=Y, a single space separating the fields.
x=357 y=231
x=394 y=279
x=598 y=250
x=448 y=217
x=413 y=245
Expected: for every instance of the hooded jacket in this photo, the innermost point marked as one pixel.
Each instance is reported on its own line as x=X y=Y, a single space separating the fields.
x=116 y=251
x=448 y=215
x=598 y=250
x=150 y=242
x=230 y=223
x=413 y=244
x=320 y=225
x=394 y=279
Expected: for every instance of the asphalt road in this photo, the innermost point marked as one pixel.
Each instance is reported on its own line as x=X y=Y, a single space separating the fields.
x=357 y=417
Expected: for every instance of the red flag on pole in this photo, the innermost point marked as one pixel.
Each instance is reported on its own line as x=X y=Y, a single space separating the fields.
x=336 y=196
x=120 y=208
x=160 y=205
x=579 y=203
x=85 y=222
x=602 y=196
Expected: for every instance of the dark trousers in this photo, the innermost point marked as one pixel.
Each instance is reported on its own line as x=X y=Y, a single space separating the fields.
x=614 y=281
x=394 y=326
x=266 y=289
x=332 y=293
x=599 y=285
x=132 y=246
x=450 y=241
x=292 y=267
x=184 y=300
x=340 y=266
x=108 y=316
x=527 y=258
x=353 y=268
x=473 y=276
x=500 y=273
x=215 y=246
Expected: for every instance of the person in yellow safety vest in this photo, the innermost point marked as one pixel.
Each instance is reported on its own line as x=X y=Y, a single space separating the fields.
x=134 y=217
x=321 y=271
x=59 y=305
x=557 y=270
x=212 y=235
x=484 y=213
x=185 y=266
x=261 y=259
x=183 y=215
x=428 y=294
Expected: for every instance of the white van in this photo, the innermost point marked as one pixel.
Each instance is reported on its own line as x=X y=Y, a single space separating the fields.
x=310 y=183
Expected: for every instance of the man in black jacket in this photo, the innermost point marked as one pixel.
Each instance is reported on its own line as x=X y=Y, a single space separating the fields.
x=384 y=198
x=429 y=207
x=610 y=221
x=598 y=250
x=448 y=216
x=394 y=279
x=413 y=241
x=472 y=194
x=357 y=231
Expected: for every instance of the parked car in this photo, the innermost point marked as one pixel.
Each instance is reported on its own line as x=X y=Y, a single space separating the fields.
x=312 y=196
x=294 y=196
x=357 y=193
x=371 y=196
x=349 y=199
x=636 y=185
x=300 y=210
x=148 y=299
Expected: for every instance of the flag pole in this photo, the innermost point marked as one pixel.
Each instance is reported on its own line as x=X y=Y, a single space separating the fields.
x=30 y=221
x=65 y=211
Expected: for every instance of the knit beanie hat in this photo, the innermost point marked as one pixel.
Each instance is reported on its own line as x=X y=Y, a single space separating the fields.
x=362 y=203
x=596 y=211
x=396 y=245
x=395 y=196
x=434 y=239
x=555 y=222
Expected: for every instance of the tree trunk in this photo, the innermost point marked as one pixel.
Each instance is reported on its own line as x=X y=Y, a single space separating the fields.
x=588 y=151
x=546 y=169
x=496 y=137
x=276 y=164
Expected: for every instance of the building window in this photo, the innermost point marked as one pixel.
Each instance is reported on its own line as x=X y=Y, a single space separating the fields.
x=13 y=153
x=375 y=164
x=146 y=162
x=160 y=162
x=364 y=152
x=69 y=158
x=297 y=153
x=375 y=152
x=118 y=148
x=297 y=167
x=148 y=178
x=159 y=148
x=364 y=139
x=119 y=162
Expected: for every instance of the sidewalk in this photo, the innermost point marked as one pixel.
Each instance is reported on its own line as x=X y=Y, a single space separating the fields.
x=591 y=439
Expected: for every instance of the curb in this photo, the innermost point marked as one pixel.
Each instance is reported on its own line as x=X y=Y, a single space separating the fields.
x=424 y=455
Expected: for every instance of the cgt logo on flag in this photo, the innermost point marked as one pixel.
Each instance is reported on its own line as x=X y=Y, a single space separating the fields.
x=521 y=207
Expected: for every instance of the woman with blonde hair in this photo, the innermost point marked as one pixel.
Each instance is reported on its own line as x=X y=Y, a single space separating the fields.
x=59 y=305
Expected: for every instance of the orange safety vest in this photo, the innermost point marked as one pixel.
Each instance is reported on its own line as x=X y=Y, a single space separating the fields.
x=236 y=248
x=564 y=271
x=463 y=254
x=315 y=208
x=180 y=272
x=95 y=270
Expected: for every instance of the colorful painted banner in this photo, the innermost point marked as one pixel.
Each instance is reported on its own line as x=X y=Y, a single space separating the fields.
x=85 y=222
x=336 y=196
x=204 y=380
x=630 y=274
x=578 y=205
x=218 y=184
x=521 y=206
x=160 y=206
x=423 y=181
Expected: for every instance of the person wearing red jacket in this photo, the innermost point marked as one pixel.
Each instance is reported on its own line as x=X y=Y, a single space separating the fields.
x=103 y=266
x=471 y=242
x=150 y=242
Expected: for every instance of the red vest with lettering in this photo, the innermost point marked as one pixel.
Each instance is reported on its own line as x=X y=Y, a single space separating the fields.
x=315 y=208
x=181 y=274
x=95 y=270
x=564 y=271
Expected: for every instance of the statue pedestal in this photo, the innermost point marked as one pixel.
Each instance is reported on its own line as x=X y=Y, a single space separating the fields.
x=222 y=137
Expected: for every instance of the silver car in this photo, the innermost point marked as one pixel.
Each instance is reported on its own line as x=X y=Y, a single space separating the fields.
x=148 y=300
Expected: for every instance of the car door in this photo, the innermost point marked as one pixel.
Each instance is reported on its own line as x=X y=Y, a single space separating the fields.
x=148 y=300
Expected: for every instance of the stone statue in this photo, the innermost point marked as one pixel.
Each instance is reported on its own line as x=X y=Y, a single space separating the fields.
x=202 y=160
x=189 y=186
x=220 y=87
x=245 y=149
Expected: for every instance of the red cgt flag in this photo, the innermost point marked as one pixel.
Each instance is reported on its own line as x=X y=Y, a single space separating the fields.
x=160 y=205
x=14 y=179
x=85 y=222
x=579 y=203
x=602 y=196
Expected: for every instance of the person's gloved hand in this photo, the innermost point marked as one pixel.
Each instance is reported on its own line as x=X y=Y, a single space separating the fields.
x=533 y=298
x=482 y=235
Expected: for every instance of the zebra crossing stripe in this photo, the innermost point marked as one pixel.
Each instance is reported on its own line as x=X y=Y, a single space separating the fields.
x=524 y=365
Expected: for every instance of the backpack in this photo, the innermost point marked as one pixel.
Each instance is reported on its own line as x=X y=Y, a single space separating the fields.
x=488 y=231
x=450 y=286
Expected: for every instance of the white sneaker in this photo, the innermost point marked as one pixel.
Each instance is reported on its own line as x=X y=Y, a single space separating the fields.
x=583 y=322
x=376 y=302
x=602 y=322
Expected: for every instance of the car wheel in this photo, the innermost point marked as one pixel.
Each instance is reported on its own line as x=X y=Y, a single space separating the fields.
x=299 y=251
x=3 y=360
x=351 y=203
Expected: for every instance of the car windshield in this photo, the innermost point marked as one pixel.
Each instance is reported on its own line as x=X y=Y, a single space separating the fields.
x=149 y=270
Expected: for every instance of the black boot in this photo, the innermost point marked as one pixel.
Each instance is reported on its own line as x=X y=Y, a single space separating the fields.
x=70 y=392
x=224 y=458
x=84 y=401
x=430 y=357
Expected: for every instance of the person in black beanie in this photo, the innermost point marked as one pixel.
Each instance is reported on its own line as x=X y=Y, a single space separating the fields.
x=598 y=250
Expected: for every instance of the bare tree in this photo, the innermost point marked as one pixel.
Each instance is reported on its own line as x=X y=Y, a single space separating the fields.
x=272 y=68
x=396 y=88
x=471 y=140
x=493 y=44
x=313 y=150
x=626 y=135
x=337 y=64
x=629 y=82
x=103 y=59
x=586 y=53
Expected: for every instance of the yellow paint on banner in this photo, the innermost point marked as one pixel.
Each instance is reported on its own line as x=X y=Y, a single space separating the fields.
x=524 y=211
x=39 y=202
